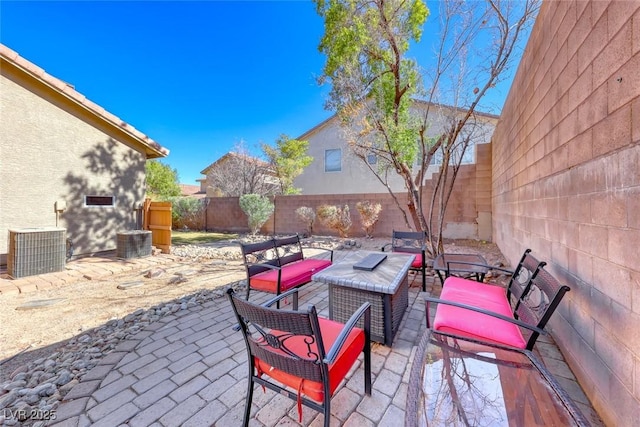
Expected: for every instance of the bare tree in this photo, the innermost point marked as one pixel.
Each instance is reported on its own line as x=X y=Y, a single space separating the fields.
x=238 y=173
x=375 y=88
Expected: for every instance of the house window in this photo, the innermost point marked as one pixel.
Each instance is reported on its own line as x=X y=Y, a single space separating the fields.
x=99 y=201
x=467 y=158
x=333 y=160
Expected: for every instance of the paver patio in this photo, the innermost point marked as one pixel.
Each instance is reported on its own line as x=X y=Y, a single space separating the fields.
x=189 y=369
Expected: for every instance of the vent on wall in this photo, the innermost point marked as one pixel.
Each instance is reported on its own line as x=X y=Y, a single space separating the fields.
x=36 y=251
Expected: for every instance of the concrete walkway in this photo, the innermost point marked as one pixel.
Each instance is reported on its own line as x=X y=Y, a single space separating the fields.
x=189 y=369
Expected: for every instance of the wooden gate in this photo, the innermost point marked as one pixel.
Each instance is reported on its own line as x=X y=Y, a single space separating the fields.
x=157 y=218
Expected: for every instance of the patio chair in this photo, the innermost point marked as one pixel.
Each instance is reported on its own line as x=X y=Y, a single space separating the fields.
x=307 y=354
x=513 y=317
x=412 y=242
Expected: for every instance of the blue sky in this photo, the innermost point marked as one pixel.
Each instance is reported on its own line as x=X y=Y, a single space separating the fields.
x=197 y=77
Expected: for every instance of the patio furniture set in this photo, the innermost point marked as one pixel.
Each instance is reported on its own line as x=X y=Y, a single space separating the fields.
x=480 y=330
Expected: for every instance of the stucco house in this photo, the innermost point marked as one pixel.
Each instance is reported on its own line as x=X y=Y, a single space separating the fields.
x=336 y=170
x=66 y=162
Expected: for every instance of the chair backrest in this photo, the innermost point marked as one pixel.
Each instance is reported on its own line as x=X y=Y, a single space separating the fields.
x=408 y=241
x=539 y=300
x=526 y=269
x=289 y=249
x=259 y=253
x=269 y=334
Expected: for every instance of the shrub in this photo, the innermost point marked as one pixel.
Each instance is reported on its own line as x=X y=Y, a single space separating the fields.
x=308 y=216
x=336 y=218
x=369 y=214
x=258 y=209
x=187 y=212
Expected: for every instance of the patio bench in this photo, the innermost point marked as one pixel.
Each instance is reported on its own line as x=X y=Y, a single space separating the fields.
x=485 y=312
x=278 y=264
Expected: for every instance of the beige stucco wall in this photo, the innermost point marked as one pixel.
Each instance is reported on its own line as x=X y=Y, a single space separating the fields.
x=566 y=183
x=355 y=177
x=50 y=150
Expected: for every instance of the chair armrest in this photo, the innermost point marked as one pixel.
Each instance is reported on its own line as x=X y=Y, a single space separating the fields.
x=483 y=311
x=385 y=246
x=365 y=309
x=277 y=298
x=479 y=264
x=323 y=249
x=258 y=264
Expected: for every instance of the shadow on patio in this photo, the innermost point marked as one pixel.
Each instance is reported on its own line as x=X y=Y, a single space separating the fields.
x=189 y=368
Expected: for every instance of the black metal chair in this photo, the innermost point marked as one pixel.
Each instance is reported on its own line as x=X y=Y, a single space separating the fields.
x=307 y=354
x=412 y=242
x=484 y=312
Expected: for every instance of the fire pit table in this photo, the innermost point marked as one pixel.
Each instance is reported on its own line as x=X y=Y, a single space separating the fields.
x=353 y=281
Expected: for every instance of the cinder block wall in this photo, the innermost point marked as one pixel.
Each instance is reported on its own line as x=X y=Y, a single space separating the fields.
x=566 y=183
x=469 y=205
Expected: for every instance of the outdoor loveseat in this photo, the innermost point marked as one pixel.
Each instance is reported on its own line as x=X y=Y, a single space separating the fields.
x=278 y=264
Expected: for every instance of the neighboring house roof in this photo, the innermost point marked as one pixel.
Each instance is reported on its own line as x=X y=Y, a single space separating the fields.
x=231 y=155
x=191 y=190
x=419 y=102
x=10 y=58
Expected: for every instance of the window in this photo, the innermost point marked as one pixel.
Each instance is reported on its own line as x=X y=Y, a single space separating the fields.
x=99 y=201
x=467 y=158
x=333 y=160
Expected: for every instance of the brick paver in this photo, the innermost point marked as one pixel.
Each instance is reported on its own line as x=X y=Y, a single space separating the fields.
x=190 y=369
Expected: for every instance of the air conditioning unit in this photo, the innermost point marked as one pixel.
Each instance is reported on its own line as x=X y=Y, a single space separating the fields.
x=36 y=251
x=133 y=244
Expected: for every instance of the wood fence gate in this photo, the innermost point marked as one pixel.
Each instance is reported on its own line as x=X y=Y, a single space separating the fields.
x=157 y=218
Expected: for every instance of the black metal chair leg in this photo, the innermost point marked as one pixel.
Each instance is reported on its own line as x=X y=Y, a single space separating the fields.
x=247 y=409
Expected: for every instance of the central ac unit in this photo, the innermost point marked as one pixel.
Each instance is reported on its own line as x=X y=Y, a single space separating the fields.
x=36 y=251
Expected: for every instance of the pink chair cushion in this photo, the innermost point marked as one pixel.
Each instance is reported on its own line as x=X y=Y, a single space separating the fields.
x=293 y=274
x=347 y=356
x=473 y=324
x=417 y=261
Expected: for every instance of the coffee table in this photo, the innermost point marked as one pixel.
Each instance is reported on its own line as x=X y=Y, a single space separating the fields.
x=462 y=264
x=386 y=288
x=459 y=382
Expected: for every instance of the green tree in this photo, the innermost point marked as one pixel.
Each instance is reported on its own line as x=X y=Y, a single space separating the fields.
x=162 y=180
x=374 y=87
x=288 y=160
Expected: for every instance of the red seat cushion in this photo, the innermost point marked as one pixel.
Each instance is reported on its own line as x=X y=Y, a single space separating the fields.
x=293 y=274
x=473 y=324
x=330 y=330
x=417 y=261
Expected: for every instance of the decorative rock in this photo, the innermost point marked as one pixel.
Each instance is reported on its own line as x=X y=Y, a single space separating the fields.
x=154 y=273
x=8 y=399
x=14 y=385
x=31 y=305
x=19 y=371
x=129 y=285
x=64 y=377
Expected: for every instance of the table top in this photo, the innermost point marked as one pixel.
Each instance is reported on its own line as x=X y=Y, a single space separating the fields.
x=458 y=382
x=450 y=259
x=385 y=278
